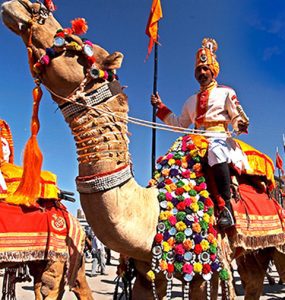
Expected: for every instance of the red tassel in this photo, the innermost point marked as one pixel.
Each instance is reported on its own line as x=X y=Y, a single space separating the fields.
x=79 y=26
x=29 y=187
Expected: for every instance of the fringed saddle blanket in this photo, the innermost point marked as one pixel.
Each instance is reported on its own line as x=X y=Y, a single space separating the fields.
x=260 y=221
x=47 y=233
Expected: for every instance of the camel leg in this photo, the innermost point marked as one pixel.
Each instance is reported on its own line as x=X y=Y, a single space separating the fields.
x=142 y=289
x=198 y=288
x=53 y=281
x=279 y=261
x=252 y=268
x=81 y=289
x=36 y=270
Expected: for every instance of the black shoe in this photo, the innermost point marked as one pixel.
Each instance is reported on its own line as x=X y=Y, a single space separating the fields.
x=226 y=219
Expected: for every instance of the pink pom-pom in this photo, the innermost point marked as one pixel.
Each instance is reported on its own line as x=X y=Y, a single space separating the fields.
x=45 y=60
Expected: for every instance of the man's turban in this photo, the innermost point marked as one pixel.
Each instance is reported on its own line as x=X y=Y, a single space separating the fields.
x=206 y=56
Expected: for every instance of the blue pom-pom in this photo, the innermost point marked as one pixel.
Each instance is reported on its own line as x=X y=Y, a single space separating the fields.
x=50 y=52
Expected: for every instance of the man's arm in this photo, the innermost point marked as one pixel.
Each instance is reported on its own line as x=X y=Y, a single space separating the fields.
x=239 y=119
x=167 y=116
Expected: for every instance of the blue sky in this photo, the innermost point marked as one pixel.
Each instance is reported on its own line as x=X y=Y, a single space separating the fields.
x=251 y=38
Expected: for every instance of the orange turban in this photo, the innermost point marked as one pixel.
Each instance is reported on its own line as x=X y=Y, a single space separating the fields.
x=206 y=56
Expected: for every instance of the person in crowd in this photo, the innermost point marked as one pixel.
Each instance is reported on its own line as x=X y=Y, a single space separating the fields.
x=99 y=257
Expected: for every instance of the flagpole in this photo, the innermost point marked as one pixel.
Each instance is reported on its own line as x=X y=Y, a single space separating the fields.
x=152 y=32
x=280 y=200
x=153 y=150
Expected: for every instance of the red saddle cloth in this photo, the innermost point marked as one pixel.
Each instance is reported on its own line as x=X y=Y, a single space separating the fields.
x=48 y=233
x=260 y=220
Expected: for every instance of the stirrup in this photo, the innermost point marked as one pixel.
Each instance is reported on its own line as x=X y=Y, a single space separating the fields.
x=226 y=219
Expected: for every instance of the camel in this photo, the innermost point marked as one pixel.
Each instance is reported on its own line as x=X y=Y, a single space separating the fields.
x=122 y=214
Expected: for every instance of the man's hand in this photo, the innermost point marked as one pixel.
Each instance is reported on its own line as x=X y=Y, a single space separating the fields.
x=243 y=126
x=156 y=100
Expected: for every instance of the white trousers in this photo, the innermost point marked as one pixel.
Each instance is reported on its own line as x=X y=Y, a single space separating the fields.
x=222 y=150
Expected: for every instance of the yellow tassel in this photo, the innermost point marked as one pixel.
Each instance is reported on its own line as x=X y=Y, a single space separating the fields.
x=28 y=189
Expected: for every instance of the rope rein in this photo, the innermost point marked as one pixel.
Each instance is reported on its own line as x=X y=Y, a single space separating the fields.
x=146 y=123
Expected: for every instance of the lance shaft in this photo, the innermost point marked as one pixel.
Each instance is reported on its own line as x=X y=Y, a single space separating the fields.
x=153 y=150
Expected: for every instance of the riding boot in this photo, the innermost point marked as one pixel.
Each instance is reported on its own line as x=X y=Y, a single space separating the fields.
x=223 y=181
x=226 y=219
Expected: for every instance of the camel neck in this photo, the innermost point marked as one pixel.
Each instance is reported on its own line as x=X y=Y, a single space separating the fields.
x=101 y=136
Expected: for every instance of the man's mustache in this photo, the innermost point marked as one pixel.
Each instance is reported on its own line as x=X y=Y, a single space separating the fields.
x=202 y=77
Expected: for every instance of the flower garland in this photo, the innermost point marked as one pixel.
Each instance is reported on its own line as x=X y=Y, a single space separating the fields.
x=186 y=240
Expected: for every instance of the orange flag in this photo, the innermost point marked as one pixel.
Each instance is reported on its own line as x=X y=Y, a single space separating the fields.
x=152 y=24
x=279 y=162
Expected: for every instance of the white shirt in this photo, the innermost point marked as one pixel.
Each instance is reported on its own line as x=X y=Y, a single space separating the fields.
x=221 y=106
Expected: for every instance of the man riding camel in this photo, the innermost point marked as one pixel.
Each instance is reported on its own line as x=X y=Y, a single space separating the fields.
x=212 y=109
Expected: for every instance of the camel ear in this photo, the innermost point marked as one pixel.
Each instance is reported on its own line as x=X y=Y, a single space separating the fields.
x=113 y=61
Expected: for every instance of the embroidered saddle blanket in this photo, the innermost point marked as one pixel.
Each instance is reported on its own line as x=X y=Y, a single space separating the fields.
x=260 y=220
x=46 y=233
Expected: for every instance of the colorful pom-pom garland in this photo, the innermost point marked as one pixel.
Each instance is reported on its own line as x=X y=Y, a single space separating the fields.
x=186 y=240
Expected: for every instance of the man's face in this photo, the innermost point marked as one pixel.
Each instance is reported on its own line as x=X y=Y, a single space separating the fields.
x=203 y=75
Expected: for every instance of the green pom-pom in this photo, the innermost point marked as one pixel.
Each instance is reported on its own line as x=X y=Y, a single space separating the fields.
x=180 y=198
x=161 y=197
x=177 y=156
x=213 y=249
x=180 y=237
x=180 y=216
x=196 y=159
x=204 y=225
x=180 y=183
x=224 y=274
x=201 y=205
x=201 y=179
x=178 y=266
x=167 y=225
x=192 y=193
x=210 y=211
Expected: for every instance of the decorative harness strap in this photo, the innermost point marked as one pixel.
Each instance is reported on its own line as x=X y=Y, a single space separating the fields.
x=103 y=93
x=104 y=181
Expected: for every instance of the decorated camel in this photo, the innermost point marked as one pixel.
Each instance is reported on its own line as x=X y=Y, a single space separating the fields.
x=82 y=80
x=44 y=241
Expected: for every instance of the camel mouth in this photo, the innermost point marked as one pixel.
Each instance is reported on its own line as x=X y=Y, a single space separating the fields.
x=11 y=19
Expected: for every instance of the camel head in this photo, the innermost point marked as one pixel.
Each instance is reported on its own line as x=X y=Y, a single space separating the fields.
x=60 y=61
